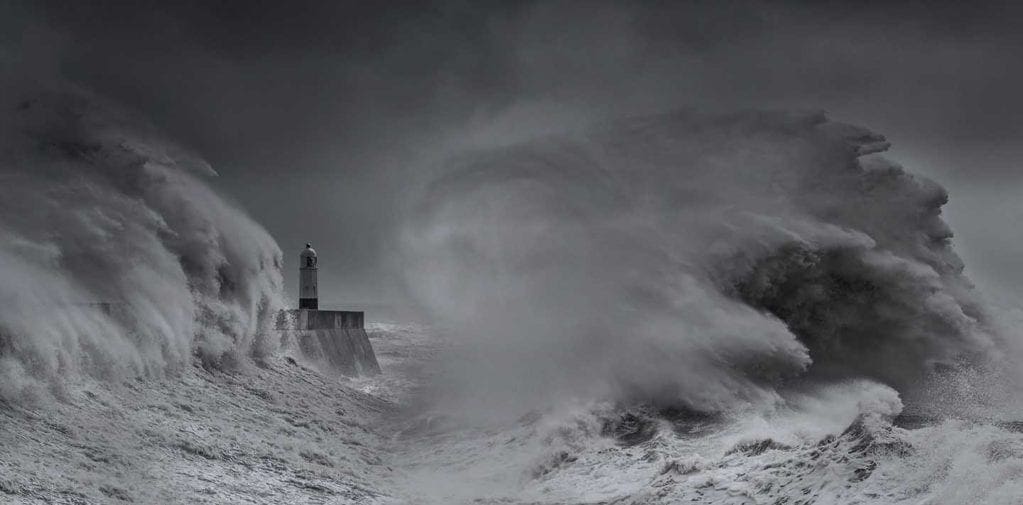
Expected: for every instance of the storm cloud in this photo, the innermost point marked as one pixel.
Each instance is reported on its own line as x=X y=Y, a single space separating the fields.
x=319 y=116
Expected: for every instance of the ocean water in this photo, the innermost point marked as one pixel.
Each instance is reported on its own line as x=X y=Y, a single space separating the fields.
x=285 y=432
x=756 y=308
x=843 y=443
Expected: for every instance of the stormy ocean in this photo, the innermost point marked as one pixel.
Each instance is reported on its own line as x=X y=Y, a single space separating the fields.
x=747 y=308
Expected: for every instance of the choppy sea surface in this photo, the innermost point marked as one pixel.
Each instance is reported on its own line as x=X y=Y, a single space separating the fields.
x=282 y=432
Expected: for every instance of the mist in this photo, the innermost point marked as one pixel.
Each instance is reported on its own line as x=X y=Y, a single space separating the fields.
x=117 y=259
x=321 y=117
x=608 y=252
x=337 y=124
x=692 y=260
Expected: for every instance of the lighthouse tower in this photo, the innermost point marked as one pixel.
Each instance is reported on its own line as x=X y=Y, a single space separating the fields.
x=307 y=294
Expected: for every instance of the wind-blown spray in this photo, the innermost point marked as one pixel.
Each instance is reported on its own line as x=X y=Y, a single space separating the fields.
x=115 y=257
x=691 y=260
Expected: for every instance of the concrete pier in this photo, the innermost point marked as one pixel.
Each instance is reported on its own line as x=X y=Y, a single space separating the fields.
x=333 y=340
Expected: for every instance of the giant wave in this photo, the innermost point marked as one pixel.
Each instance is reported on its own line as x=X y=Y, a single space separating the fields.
x=750 y=308
x=116 y=258
x=695 y=260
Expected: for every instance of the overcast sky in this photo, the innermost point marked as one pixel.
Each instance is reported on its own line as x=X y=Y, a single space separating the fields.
x=319 y=115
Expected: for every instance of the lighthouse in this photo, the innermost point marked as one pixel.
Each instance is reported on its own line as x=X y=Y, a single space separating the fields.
x=330 y=340
x=307 y=295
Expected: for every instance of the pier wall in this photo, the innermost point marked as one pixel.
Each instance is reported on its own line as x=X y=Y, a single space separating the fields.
x=333 y=340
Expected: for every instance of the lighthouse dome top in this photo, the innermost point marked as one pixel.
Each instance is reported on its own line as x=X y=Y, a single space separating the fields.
x=308 y=257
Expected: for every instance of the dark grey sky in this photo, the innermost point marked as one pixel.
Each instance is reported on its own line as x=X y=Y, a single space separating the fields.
x=319 y=115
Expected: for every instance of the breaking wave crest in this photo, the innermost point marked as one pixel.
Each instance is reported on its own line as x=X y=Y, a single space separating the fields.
x=115 y=257
x=700 y=261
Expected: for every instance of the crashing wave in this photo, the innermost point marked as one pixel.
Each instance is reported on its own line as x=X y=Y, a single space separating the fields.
x=115 y=257
x=693 y=260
